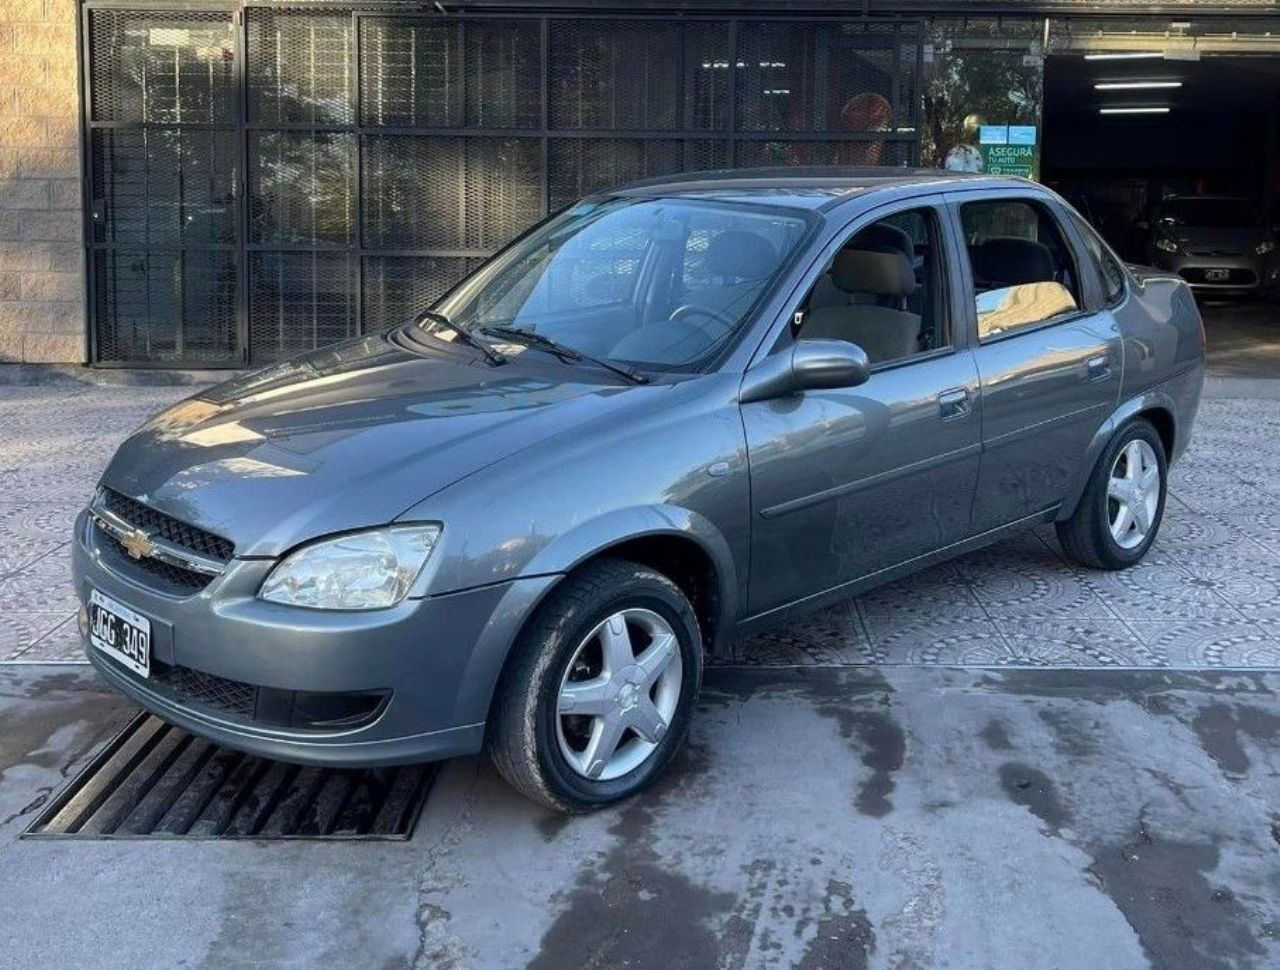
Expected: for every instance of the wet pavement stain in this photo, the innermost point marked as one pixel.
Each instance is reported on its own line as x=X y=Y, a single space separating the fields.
x=631 y=910
x=844 y=938
x=1074 y=736
x=1218 y=728
x=996 y=736
x=884 y=751
x=1033 y=789
x=1181 y=919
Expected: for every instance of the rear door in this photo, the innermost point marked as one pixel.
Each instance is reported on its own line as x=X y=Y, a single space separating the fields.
x=1047 y=347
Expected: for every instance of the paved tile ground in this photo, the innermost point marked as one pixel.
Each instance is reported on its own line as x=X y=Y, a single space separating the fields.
x=1208 y=595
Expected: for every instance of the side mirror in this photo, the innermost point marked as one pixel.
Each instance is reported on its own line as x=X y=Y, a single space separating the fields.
x=1142 y=225
x=808 y=365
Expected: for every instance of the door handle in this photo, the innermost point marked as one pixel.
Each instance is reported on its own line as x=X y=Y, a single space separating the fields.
x=954 y=403
x=1099 y=367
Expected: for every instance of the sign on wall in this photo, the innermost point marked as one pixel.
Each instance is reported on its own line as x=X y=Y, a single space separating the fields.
x=1008 y=150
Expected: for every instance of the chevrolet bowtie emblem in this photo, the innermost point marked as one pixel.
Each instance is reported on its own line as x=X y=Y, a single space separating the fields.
x=137 y=544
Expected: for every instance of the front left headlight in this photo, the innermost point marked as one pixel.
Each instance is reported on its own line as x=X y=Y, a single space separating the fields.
x=1264 y=247
x=1168 y=245
x=359 y=571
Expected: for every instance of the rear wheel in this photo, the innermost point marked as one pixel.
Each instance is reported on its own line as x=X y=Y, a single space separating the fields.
x=600 y=688
x=1122 y=506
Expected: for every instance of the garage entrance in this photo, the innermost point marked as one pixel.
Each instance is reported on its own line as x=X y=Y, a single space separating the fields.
x=1136 y=117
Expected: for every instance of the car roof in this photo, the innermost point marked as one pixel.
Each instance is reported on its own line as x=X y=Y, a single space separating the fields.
x=807 y=187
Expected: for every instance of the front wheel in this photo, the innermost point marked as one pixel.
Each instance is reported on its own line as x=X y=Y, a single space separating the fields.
x=600 y=688
x=1120 y=511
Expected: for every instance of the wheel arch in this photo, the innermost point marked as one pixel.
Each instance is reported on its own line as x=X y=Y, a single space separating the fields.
x=677 y=542
x=1156 y=407
x=668 y=539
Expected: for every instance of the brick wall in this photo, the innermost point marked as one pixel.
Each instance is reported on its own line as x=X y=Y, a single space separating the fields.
x=42 y=312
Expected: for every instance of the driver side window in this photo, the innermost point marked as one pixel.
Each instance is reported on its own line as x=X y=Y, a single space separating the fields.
x=883 y=290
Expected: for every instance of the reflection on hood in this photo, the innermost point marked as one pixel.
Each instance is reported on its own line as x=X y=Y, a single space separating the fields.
x=350 y=437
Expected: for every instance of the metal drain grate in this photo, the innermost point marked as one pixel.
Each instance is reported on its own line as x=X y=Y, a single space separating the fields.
x=157 y=781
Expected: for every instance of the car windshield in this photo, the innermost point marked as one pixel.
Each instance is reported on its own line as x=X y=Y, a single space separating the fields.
x=653 y=283
x=1211 y=213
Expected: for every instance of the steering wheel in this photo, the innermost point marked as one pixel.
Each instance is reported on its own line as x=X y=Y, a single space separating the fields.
x=726 y=321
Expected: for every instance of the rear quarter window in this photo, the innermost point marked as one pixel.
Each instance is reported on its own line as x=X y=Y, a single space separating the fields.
x=1110 y=271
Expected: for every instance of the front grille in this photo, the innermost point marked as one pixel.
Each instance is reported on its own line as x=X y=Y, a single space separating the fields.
x=173 y=579
x=155 y=522
x=206 y=690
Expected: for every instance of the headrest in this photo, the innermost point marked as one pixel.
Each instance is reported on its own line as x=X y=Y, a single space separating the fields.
x=1010 y=261
x=741 y=254
x=866 y=271
x=882 y=236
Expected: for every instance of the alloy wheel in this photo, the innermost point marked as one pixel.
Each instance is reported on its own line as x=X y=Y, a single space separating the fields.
x=619 y=694
x=1133 y=494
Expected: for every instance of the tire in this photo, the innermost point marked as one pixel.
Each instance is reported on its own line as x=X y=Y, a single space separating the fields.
x=1088 y=536
x=534 y=745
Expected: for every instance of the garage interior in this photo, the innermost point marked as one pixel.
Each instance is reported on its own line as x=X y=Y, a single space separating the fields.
x=1187 y=112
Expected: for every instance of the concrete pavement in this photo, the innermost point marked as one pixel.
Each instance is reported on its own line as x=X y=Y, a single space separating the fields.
x=903 y=817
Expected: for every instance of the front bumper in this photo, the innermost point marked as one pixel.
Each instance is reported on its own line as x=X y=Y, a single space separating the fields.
x=1241 y=274
x=433 y=662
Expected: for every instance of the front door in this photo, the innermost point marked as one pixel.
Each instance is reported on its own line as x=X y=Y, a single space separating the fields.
x=1050 y=367
x=848 y=482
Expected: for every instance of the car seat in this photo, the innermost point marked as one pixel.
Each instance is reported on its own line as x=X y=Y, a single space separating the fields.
x=884 y=332
x=1011 y=261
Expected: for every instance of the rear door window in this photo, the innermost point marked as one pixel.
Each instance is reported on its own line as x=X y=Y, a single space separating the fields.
x=1024 y=273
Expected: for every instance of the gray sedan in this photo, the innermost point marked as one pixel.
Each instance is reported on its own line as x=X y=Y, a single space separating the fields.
x=668 y=416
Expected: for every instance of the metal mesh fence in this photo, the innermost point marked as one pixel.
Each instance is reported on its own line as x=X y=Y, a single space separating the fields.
x=359 y=161
x=302 y=188
x=159 y=67
x=299 y=67
x=449 y=193
x=450 y=74
x=396 y=288
x=168 y=307
x=298 y=302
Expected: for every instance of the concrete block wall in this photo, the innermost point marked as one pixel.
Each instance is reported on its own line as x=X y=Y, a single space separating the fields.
x=42 y=303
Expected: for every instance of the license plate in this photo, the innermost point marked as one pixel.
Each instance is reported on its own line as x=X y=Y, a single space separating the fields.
x=120 y=633
x=1217 y=275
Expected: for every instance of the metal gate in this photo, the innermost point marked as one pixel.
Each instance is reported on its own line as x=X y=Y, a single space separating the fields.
x=269 y=179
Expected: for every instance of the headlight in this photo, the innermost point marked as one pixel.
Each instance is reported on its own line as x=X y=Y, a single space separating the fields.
x=1168 y=245
x=1264 y=247
x=361 y=571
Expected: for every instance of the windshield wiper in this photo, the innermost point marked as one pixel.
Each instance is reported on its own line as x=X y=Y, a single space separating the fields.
x=531 y=339
x=464 y=336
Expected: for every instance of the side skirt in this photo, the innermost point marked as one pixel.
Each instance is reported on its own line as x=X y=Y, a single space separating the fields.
x=816 y=601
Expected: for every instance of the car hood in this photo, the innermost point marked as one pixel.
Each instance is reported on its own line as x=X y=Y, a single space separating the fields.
x=348 y=438
x=1217 y=240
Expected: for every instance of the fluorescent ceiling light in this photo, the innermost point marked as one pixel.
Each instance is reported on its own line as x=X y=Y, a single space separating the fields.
x=1123 y=55
x=1135 y=85
x=1150 y=110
